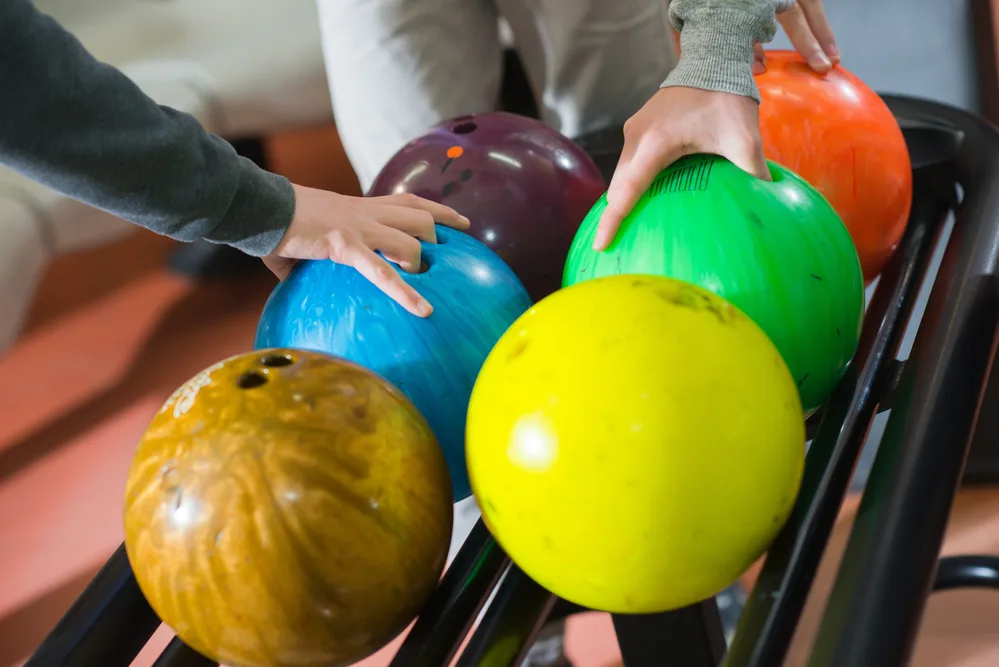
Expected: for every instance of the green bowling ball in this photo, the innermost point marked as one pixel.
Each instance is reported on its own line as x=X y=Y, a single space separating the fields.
x=776 y=250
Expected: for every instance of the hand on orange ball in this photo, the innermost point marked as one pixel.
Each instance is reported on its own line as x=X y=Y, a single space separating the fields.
x=678 y=121
x=808 y=29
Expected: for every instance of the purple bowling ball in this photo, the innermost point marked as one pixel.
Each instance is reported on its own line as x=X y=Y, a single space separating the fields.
x=525 y=187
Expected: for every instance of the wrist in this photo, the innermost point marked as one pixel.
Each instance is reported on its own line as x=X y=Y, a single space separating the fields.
x=716 y=52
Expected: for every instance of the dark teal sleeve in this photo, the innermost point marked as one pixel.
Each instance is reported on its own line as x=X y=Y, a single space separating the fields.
x=86 y=130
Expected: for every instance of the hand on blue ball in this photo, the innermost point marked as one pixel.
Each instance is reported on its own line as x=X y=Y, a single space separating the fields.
x=353 y=230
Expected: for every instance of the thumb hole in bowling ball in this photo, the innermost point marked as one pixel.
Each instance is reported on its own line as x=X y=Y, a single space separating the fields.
x=251 y=380
x=443 y=238
x=277 y=360
x=424 y=266
x=465 y=128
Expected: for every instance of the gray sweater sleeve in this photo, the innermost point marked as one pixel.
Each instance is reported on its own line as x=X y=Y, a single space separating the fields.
x=84 y=129
x=716 y=42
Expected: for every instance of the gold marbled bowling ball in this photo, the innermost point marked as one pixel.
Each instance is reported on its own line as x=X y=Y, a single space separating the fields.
x=287 y=509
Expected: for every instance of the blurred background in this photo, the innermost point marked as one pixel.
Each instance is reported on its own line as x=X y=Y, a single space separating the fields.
x=102 y=321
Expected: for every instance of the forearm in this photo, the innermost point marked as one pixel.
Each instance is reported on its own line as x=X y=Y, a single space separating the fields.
x=716 y=42
x=85 y=129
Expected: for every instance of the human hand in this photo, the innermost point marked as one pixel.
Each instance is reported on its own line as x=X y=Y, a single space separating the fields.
x=348 y=230
x=678 y=121
x=808 y=29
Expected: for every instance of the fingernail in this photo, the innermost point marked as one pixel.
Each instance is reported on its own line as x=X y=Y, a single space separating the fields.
x=759 y=68
x=465 y=220
x=424 y=307
x=834 y=53
x=821 y=61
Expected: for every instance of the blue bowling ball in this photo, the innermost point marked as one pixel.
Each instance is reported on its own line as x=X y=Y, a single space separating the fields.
x=332 y=308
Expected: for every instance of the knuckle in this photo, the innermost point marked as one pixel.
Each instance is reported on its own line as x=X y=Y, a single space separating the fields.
x=427 y=221
x=339 y=242
x=385 y=274
x=412 y=247
x=690 y=145
x=630 y=127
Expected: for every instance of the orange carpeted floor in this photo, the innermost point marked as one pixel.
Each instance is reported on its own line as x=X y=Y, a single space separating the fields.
x=112 y=334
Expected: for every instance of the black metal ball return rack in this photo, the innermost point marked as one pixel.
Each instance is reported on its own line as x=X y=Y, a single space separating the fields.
x=891 y=562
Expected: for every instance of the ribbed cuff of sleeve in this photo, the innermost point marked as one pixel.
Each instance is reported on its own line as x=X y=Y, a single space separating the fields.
x=716 y=52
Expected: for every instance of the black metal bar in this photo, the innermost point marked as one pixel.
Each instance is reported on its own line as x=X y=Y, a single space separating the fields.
x=774 y=606
x=982 y=468
x=179 y=654
x=967 y=572
x=510 y=624
x=107 y=625
x=880 y=592
x=688 y=637
x=894 y=372
x=453 y=608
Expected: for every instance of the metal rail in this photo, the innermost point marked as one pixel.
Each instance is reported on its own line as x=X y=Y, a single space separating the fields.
x=886 y=574
x=776 y=602
x=967 y=572
x=107 y=625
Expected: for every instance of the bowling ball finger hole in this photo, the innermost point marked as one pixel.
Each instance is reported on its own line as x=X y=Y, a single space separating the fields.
x=251 y=380
x=424 y=267
x=277 y=361
x=465 y=128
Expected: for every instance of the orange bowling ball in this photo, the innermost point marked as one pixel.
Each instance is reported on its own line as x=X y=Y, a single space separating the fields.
x=840 y=136
x=287 y=509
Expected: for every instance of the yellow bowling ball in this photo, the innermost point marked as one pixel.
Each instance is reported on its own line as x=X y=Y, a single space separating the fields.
x=635 y=443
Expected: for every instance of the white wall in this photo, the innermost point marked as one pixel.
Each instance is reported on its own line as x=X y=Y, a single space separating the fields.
x=923 y=48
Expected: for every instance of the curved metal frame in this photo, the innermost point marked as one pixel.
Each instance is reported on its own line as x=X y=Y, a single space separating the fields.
x=967 y=572
x=890 y=565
